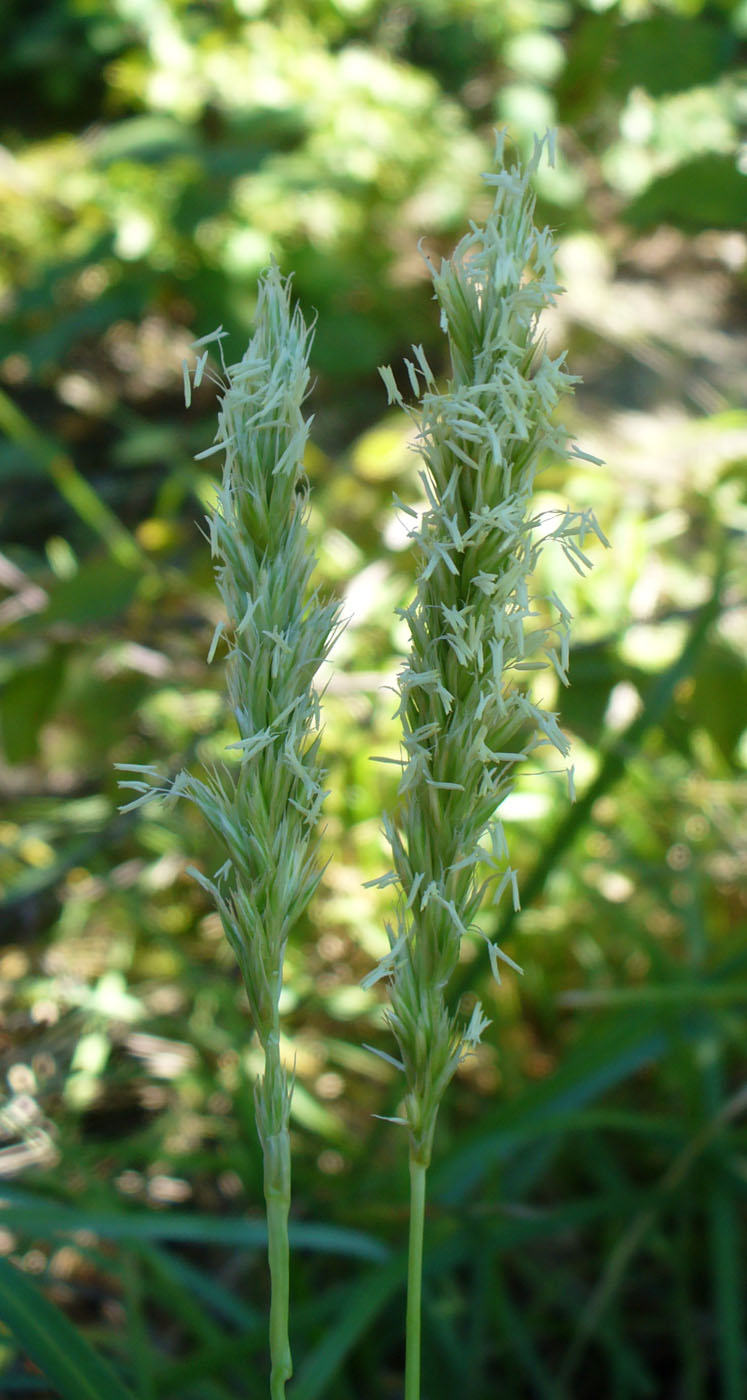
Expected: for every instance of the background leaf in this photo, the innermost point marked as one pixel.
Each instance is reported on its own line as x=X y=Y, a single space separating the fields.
x=58 y=1348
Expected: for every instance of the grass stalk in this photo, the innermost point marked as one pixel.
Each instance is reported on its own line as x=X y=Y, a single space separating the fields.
x=277 y=1189
x=278 y=1207
x=272 y=1098
x=418 y=1171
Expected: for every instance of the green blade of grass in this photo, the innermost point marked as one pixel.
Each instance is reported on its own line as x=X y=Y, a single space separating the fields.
x=139 y=1349
x=197 y=1293
x=20 y=1385
x=725 y=1235
x=359 y=1307
x=226 y=1355
x=73 y=487
x=443 y=1350
x=723 y=1220
x=51 y=1217
x=601 y=1061
x=526 y=1354
x=56 y=1347
x=630 y=1242
x=690 y=992
x=365 y=1301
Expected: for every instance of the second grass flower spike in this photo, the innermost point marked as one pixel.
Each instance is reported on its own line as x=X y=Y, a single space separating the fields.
x=467 y=718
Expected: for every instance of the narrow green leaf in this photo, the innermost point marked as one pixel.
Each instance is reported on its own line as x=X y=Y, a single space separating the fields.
x=51 y=1217
x=138 y=1341
x=725 y=1232
x=597 y=1064
x=66 y=1359
x=523 y=1347
x=630 y=1242
x=364 y=1303
x=226 y=1356
x=78 y=492
x=685 y=993
x=196 y=1294
x=360 y=1305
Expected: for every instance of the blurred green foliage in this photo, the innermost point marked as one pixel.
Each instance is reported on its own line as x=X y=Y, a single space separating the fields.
x=584 y=1226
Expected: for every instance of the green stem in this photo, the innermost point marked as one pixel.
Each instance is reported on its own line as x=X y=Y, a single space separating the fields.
x=415 y=1278
x=272 y=1099
x=277 y=1199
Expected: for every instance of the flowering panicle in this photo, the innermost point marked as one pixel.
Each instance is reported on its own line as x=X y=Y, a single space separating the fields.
x=467 y=721
x=264 y=804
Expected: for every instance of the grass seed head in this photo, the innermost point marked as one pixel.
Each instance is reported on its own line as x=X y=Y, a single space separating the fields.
x=467 y=719
x=264 y=801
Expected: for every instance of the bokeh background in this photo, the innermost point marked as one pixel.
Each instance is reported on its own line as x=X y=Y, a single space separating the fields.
x=584 y=1217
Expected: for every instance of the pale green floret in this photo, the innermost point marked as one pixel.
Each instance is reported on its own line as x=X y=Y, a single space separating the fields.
x=466 y=720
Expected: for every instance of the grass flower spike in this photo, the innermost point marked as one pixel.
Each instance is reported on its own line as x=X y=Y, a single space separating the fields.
x=264 y=803
x=467 y=718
